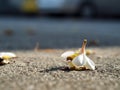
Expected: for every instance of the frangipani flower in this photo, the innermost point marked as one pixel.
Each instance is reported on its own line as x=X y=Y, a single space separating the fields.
x=78 y=60
x=5 y=57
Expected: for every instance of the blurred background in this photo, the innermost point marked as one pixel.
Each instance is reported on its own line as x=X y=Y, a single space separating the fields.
x=58 y=23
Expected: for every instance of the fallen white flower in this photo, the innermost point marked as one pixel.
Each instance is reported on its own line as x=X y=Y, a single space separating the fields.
x=79 y=60
x=5 y=57
x=8 y=54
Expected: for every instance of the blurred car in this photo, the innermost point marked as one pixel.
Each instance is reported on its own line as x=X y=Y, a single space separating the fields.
x=5 y=6
x=85 y=8
x=18 y=6
x=29 y=6
x=106 y=7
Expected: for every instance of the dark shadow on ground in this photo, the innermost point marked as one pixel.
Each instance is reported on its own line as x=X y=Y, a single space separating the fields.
x=62 y=68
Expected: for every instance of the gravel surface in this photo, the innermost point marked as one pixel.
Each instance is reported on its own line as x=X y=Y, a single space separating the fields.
x=43 y=70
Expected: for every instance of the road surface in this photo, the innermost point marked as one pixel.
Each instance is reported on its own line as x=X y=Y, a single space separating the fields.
x=56 y=33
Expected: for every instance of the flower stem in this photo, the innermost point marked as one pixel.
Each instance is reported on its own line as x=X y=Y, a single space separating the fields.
x=84 y=46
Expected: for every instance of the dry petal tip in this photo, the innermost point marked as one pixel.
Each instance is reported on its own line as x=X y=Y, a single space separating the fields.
x=83 y=46
x=85 y=41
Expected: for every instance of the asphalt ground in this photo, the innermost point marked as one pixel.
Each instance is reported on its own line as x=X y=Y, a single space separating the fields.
x=44 y=70
x=24 y=33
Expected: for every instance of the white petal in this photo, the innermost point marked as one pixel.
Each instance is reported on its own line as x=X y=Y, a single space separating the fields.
x=66 y=54
x=5 y=61
x=7 y=54
x=89 y=63
x=79 y=60
x=83 y=60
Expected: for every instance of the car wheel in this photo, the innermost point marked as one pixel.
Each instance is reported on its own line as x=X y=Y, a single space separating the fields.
x=87 y=11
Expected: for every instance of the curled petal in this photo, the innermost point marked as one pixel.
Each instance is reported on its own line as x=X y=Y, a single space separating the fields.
x=66 y=54
x=83 y=60
x=89 y=63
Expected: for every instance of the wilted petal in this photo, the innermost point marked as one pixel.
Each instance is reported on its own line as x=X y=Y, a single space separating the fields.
x=83 y=60
x=7 y=54
x=89 y=63
x=66 y=54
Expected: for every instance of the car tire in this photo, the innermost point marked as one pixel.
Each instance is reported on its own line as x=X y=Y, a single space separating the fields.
x=87 y=11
